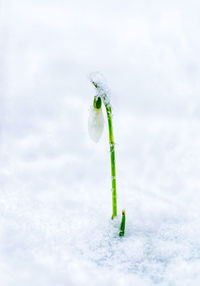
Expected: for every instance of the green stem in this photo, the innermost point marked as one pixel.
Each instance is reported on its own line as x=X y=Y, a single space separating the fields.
x=106 y=101
x=112 y=157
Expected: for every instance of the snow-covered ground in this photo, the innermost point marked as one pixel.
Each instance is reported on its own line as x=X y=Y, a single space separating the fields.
x=55 y=198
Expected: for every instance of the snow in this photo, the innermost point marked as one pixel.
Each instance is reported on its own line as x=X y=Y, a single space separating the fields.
x=102 y=89
x=55 y=185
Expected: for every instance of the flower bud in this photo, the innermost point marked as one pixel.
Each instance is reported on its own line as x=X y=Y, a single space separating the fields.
x=95 y=123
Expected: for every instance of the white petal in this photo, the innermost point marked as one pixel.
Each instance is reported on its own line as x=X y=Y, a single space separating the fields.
x=95 y=124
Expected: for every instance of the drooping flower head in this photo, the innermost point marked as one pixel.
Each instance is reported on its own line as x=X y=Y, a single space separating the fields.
x=96 y=120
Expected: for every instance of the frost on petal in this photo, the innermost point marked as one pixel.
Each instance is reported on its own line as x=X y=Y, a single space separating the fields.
x=95 y=124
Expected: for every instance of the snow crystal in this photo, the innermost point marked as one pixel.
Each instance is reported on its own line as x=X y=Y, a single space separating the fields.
x=102 y=88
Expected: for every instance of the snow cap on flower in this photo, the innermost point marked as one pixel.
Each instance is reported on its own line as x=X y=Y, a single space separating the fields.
x=99 y=83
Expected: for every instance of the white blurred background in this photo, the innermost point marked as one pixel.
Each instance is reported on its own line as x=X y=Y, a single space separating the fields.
x=55 y=199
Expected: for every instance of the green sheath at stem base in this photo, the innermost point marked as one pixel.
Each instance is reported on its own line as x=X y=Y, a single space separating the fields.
x=122 y=226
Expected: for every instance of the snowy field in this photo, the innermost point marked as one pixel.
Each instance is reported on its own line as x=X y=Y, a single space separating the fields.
x=55 y=198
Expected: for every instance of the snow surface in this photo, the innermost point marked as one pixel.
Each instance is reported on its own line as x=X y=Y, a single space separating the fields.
x=55 y=198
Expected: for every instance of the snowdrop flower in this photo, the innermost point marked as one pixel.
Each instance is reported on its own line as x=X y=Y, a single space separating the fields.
x=96 y=120
x=95 y=128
